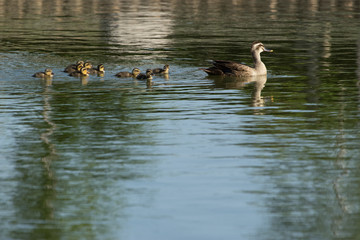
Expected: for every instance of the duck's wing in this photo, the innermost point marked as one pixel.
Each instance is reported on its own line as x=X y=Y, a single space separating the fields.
x=231 y=67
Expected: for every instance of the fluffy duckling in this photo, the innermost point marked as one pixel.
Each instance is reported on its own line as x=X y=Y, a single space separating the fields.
x=82 y=73
x=164 y=70
x=100 y=69
x=134 y=73
x=46 y=74
x=76 y=69
x=147 y=75
x=72 y=67
x=88 y=65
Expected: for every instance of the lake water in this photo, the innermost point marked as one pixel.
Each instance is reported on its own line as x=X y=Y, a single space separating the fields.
x=190 y=157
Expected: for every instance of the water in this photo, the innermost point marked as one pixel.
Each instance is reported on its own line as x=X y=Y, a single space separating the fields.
x=190 y=157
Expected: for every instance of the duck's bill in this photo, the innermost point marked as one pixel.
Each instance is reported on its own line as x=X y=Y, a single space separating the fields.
x=268 y=50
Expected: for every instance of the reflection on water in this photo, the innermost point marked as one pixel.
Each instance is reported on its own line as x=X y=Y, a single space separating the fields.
x=50 y=156
x=271 y=157
x=258 y=83
x=148 y=31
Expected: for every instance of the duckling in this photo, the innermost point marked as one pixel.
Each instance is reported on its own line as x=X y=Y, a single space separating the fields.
x=228 y=68
x=147 y=75
x=72 y=67
x=88 y=65
x=100 y=69
x=46 y=74
x=83 y=72
x=164 y=70
x=76 y=69
x=134 y=73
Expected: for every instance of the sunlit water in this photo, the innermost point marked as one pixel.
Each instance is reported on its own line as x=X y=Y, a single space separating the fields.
x=190 y=157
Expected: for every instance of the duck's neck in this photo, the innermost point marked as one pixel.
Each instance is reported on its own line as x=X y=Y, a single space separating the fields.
x=259 y=66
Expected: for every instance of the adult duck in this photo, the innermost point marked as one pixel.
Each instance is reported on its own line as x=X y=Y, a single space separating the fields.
x=233 y=69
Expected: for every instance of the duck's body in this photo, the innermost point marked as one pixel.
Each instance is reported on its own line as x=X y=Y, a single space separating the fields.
x=82 y=73
x=134 y=73
x=72 y=67
x=100 y=69
x=46 y=74
x=124 y=74
x=145 y=76
x=233 y=69
x=164 y=70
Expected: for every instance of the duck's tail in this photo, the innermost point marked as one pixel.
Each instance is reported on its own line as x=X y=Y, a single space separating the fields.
x=212 y=71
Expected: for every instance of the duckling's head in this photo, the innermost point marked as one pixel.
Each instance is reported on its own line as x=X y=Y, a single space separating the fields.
x=166 y=67
x=48 y=72
x=80 y=62
x=79 y=67
x=149 y=73
x=259 y=47
x=101 y=68
x=135 y=72
x=84 y=71
x=87 y=65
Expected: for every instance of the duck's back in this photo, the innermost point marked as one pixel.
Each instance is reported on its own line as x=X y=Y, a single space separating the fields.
x=39 y=75
x=123 y=74
x=233 y=68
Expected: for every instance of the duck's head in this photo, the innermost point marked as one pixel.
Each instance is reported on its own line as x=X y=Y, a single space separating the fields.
x=48 y=72
x=166 y=67
x=87 y=65
x=101 y=68
x=259 y=47
x=135 y=72
x=84 y=71
x=80 y=62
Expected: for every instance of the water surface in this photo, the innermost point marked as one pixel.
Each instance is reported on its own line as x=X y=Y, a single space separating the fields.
x=190 y=157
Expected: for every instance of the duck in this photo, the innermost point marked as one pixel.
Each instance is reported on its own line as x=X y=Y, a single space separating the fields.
x=134 y=73
x=48 y=73
x=164 y=70
x=100 y=69
x=146 y=76
x=82 y=73
x=72 y=67
x=234 y=69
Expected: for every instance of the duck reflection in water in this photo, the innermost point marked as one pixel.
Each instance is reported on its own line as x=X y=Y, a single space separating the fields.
x=258 y=83
x=84 y=80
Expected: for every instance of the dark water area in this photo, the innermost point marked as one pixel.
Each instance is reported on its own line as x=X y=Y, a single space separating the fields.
x=191 y=156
